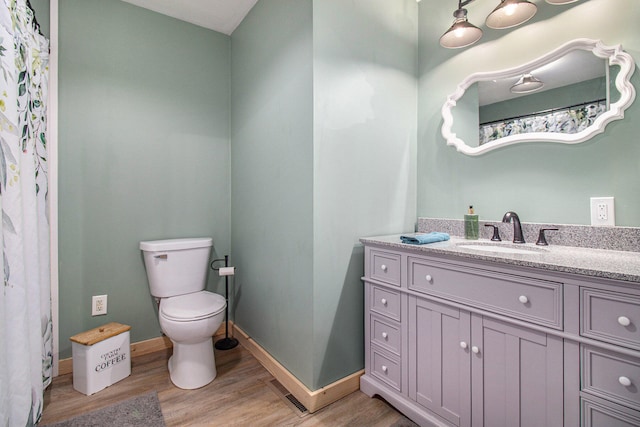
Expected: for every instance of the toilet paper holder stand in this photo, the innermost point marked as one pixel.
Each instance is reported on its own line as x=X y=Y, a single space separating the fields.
x=226 y=343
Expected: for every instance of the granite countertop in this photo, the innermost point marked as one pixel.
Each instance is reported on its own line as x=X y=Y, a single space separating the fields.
x=609 y=264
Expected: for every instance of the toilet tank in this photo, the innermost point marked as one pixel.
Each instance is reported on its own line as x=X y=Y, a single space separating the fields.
x=176 y=266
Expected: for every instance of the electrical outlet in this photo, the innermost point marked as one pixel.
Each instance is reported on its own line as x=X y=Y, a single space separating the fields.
x=98 y=305
x=602 y=211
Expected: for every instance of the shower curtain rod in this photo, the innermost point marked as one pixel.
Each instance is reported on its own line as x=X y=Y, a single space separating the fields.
x=551 y=110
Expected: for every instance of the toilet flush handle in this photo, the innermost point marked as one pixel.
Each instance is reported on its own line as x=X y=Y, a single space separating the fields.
x=161 y=256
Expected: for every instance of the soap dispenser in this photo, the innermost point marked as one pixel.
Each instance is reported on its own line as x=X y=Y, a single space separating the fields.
x=471 y=229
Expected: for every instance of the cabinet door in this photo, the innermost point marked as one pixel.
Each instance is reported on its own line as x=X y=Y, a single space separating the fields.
x=517 y=376
x=439 y=367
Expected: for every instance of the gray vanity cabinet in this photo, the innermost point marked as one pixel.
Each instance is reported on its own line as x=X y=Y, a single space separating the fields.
x=439 y=368
x=472 y=370
x=457 y=342
x=517 y=375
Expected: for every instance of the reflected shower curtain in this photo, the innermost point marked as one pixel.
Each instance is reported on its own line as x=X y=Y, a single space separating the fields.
x=25 y=297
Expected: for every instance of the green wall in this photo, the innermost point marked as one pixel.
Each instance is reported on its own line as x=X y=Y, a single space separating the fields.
x=272 y=180
x=543 y=182
x=365 y=112
x=323 y=152
x=143 y=154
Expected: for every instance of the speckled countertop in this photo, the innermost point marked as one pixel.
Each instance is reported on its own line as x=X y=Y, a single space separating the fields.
x=618 y=265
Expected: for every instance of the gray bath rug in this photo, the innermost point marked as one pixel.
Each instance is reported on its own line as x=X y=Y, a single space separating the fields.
x=138 y=411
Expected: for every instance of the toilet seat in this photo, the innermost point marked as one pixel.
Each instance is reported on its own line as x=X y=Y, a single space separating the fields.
x=190 y=307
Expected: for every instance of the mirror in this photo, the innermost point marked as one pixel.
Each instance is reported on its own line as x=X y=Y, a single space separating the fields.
x=566 y=96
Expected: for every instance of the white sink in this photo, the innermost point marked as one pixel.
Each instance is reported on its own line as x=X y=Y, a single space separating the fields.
x=501 y=249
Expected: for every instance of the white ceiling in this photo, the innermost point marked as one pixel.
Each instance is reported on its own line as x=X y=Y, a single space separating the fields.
x=218 y=15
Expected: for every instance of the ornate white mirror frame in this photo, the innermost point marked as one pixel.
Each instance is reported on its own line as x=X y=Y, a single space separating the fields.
x=615 y=56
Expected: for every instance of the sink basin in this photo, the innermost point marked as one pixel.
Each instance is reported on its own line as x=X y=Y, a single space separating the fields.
x=501 y=249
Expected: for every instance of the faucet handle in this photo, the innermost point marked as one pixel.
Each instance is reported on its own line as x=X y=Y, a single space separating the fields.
x=542 y=241
x=496 y=233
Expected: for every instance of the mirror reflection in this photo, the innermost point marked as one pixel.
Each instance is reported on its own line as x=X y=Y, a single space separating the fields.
x=566 y=96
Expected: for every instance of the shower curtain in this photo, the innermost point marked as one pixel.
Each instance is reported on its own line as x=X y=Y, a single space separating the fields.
x=25 y=297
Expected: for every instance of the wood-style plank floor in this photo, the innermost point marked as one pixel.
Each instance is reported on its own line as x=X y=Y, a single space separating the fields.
x=239 y=396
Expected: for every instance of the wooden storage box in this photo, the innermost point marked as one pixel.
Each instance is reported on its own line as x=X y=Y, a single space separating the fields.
x=101 y=357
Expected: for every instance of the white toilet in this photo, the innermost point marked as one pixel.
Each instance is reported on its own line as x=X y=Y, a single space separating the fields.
x=189 y=315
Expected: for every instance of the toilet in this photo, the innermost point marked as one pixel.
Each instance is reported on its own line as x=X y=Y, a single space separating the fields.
x=189 y=315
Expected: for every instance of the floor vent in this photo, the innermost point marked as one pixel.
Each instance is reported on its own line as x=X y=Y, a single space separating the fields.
x=288 y=398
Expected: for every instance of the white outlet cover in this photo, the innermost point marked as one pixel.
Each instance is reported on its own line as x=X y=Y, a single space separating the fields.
x=98 y=305
x=603 y=211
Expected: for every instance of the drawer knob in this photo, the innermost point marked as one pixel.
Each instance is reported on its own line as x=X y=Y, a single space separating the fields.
x=429 y=278
x=475 y=349
x=523 y=299
x=383 y=267
x=624 y=321
x=384 y=369
x=383 y=301
x=385 y=335
x=624 y=381
x=463 y=344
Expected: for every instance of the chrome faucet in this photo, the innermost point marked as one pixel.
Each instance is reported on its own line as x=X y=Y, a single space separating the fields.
x=517 y=227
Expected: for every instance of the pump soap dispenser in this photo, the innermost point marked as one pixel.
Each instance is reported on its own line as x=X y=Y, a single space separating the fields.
x=471 y=230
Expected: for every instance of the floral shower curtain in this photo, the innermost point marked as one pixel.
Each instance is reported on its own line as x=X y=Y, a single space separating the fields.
x=25 y=298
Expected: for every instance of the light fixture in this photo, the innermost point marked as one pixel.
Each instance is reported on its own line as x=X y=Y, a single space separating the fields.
x=462 y=33
x=527 y=83
x=510 y=13
x=560 y=1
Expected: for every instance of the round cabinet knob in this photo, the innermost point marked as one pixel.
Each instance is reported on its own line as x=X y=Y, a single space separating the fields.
x=385 y=335
x=463 y=344
x=624 y=321
x=523 y=299
x=383 y=267
x=624 y=381
x=383 y=301
x=384 y=369
x=475 y=349
x=429 y=278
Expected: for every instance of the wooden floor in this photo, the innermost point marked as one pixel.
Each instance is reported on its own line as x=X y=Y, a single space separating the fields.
x=239 y=396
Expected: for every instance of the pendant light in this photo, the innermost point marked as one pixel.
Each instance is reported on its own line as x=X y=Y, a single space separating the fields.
x=462 y=33
x=510 y=13
x=527 y=84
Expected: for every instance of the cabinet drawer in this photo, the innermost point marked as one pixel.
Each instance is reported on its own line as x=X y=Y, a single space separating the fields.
x=596 y=414
x=610 y=316
x=385 y=301
x=386 y=334
x=386 y=368
x=611 y=376
x=385 y=267
x=524 y=298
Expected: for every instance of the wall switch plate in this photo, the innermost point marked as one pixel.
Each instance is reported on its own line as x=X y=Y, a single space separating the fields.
x=602 y=211
x=98 y=305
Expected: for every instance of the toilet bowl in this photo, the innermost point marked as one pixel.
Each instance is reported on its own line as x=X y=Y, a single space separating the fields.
x=188 y=315
x=190 y=322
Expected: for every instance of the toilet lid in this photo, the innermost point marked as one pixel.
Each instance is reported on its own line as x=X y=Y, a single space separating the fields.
x=195 y=306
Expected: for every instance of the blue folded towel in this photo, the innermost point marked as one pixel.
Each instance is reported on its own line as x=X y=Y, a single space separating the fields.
x=423 y=239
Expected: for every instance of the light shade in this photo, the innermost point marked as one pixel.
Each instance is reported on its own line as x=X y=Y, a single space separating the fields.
x=560 y=1
x=462 y=33
x=510 y=13
x=526 y=84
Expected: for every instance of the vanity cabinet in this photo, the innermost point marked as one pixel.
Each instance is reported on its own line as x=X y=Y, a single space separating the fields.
x=458 y=343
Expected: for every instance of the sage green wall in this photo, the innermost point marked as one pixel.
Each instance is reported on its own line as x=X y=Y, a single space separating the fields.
x=365 y=112
x=272 y=180
x=143 y=154
x=323 y=152
x=543 y=182
x=578 y=93
x=42 y=10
